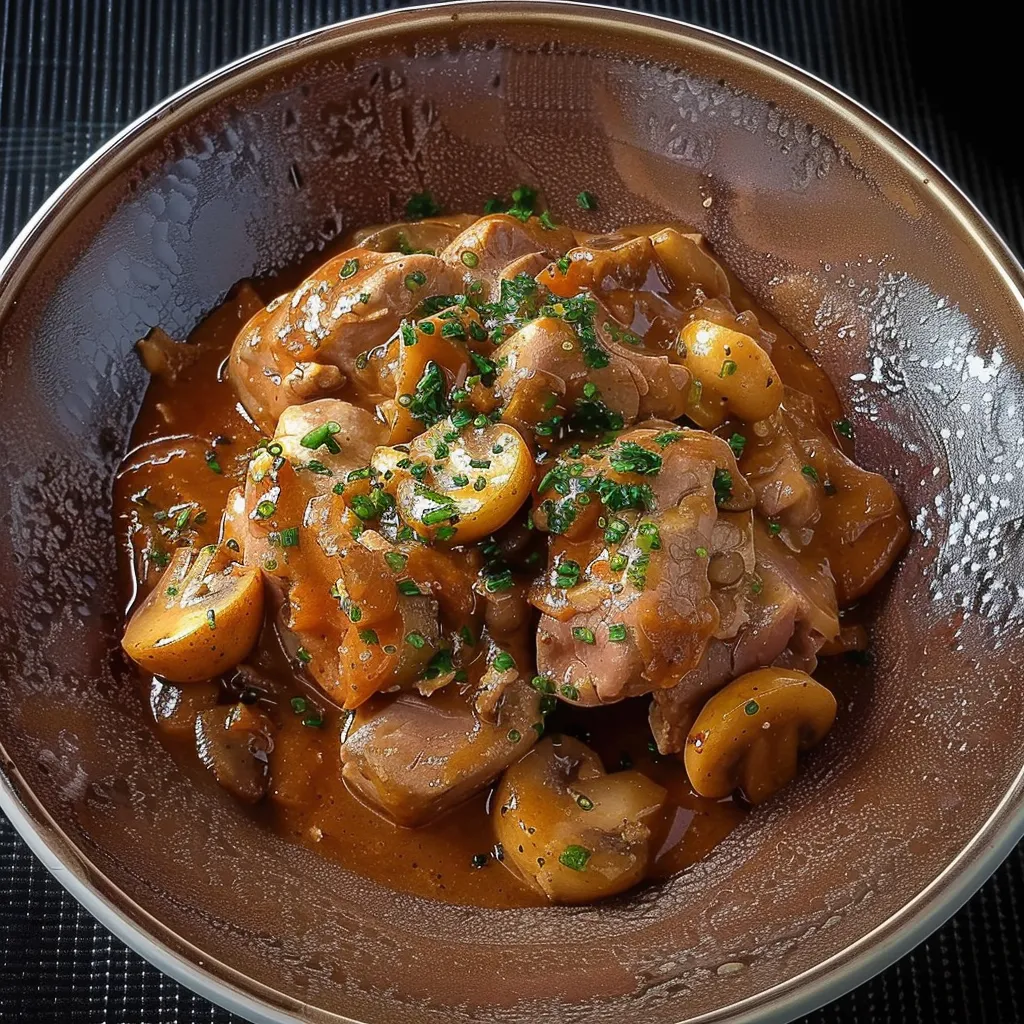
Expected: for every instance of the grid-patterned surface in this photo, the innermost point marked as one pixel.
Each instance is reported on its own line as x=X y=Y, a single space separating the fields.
x=73 y=71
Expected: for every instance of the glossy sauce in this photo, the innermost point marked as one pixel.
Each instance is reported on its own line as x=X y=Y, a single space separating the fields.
x=189 y=448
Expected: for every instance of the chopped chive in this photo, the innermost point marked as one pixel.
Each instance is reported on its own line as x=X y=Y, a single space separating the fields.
x=369 y=636
x=586 y=201
x=503 y=661
x=409 y=588
x=348 y=268
x=648 y=537
x=440 y=514
x=583 y=634
x=416 y=639
x=469 y=258
x=363 y=507
x=303 y=655
x=290 y=537
x=617 y=632
x=396 y=560
x=266 y=508
x=729 y=367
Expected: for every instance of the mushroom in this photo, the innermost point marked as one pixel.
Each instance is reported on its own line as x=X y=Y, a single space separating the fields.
x=748 y=735
x=201 y=619
x=570 y=830
x=236 y=748
x=473 y=488
x=733 y=375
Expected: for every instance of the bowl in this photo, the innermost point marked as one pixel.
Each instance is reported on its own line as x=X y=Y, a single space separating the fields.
x=846 y=233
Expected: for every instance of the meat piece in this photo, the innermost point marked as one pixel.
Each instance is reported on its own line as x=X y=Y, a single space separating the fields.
x=341 y=602
x=792 y=611
x=427 y=236
x=820 y=499
x=644 y=611
x=413 y=758
x=548 y=371
x=484 y=250
x=729 y=567
x=863 y=526
x=236 y=748
x=774 y=462
x=306 y=344
x=648 y=282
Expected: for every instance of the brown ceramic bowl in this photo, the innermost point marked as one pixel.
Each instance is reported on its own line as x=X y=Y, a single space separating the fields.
x=852 y=238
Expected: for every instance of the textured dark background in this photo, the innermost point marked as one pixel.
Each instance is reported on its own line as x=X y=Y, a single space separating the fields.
x=72 y=72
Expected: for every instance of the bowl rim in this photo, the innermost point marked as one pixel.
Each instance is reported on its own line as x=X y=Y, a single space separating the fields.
x=232 y=989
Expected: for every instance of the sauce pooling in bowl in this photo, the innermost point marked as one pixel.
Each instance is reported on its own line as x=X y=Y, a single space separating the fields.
x=493 y=559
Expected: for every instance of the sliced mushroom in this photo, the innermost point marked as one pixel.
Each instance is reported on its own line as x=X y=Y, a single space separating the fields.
x=570 y=830
x=473 y=489
x=749 y=734
x=236 y=748
x=201 y=619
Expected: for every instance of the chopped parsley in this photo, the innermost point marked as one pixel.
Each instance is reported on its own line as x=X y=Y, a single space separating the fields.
x=428 y=403
x=503 y=662
x=574 y=857
x=737 y=443
x=810 y=472
x=723 y=486
x=586 y=201
x=633 y=458
x=844 y=428
x=648 y=537
x=524 y=199
x=421 y=205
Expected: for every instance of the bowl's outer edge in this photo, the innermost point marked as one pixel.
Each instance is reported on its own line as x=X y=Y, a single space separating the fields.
x=823 y=983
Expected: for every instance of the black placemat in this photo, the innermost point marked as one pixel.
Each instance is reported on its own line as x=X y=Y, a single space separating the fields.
x=74 y=71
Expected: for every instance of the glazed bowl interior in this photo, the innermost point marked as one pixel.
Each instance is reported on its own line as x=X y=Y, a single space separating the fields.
x=848 y=237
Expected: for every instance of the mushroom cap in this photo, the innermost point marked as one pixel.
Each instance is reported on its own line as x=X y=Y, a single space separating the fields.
x=202 y=618
x=569 y=829
x=748 y=735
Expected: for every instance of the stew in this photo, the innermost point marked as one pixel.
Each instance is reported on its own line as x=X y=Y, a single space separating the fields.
x=493 y=558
